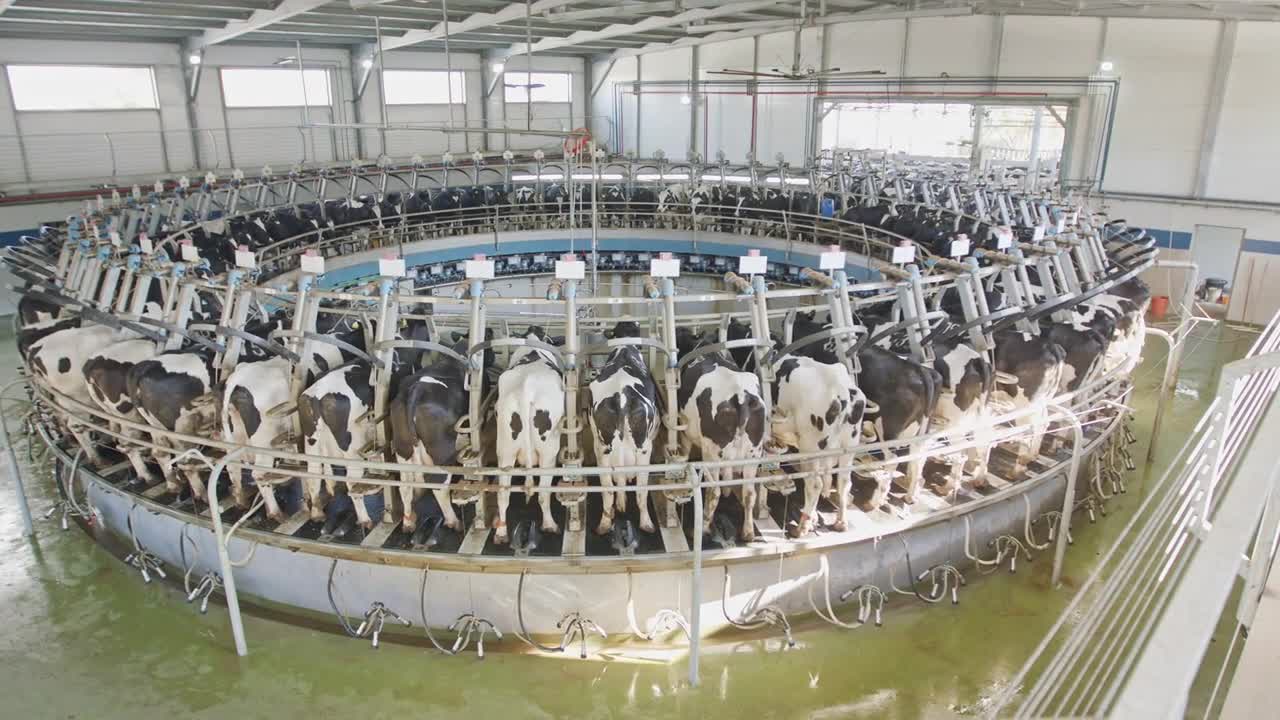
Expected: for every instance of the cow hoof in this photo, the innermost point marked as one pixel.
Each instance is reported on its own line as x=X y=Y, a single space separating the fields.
x=500 y=538
x=553 y=528
x=867 y=506
x=603 y=529
x=840 y=526
x=646 y=527
x=276 y=517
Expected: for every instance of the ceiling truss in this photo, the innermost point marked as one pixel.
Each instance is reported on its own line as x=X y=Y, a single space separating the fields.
x=616 y=28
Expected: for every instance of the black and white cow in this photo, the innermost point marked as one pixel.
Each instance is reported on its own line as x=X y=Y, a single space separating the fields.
x=57 y=361
x=530 y=410
x=724 y=413
x=817 y=407
x=424 y=416
x=173 y=391
x=902 y=395
x=624 y=422
x=1036 y=366
x=106 y=375
x=333 y=411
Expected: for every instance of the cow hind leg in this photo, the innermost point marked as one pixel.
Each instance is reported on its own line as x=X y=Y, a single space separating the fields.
x=354 y=475
x=85 y=439
x=409 y=518
x=506 y=459
x=844 y=480
x=606 y=504
x=311 y=492
x=642 y=500
x=546 y=460
x=749 y=495
x=712 y=494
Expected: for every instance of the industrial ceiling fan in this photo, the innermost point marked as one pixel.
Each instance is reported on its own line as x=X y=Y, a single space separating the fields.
x=797 y=73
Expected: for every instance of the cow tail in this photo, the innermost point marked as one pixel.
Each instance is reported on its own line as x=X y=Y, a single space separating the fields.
x=932 y=389
x=527 y=431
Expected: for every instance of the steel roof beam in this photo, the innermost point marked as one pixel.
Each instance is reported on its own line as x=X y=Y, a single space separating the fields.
x=772 y=27
x=260 y=19
x=623 y=29
x=514 y=11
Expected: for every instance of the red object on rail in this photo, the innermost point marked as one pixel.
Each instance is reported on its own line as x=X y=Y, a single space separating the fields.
x=1159 y=307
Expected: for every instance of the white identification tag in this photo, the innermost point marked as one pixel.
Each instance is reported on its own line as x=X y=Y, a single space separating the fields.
x=960 y=247
x=313 y=264
x=664 y=268
x=245 y=259
x=1038 y=235
x=904 y=254
x=1062 y=224
x=115 y=238
x=391 y=267
x=752 y=264
x=144 y=244
x=570 y=270
x=189 y=253
x=832 y=260
x=480 y=270
x=1004 y=237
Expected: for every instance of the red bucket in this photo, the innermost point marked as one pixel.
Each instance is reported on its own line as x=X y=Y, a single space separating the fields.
x=1159 y=307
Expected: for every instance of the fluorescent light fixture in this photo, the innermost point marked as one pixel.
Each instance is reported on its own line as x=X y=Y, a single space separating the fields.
x=497 y=67
x=194 y=58
x=685 y=100
x=545 y=176
x=1107 y=66
x=366 y=63
x=790 y=181
x=644 y=177
x=606 y=176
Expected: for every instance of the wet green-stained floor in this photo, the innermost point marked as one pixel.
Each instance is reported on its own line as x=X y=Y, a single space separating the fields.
x=83 y=637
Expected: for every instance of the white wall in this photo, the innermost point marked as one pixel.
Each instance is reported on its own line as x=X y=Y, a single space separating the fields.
x=1246 y=150
x=1165 y=68
x=1164 y=93
x=66 y=150
x=88 y=156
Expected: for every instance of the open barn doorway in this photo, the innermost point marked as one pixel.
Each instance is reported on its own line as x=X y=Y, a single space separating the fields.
x=988 y=137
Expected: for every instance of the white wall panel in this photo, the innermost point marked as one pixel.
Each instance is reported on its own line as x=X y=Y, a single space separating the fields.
x=1247 y=146
x=1050 y=46
x=666 y=119
x=603 y=120
x=954 y=45
x=726 y=113
x=1165 y=68
x=873 y=45
x=732 y=54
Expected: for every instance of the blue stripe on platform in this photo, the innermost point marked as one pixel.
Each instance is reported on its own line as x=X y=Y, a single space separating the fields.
x=343 y=276
x=10 y=237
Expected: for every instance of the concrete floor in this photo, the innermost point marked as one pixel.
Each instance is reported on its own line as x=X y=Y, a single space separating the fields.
x=85 y=638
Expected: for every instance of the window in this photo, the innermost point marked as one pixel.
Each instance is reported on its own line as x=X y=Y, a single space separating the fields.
x=423 y=87
x=274 y=87
x=547 y=87
x=82 y=87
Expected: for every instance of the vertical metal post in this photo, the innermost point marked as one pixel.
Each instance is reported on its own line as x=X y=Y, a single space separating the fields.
x=595 y=220
x=695 y=588
x=477 y=391
x=27 y=528
x=1069 y=497
x=1033 y=162
x=1259 y=564
x=388 y=325
x=224 y=559
x=382 y=90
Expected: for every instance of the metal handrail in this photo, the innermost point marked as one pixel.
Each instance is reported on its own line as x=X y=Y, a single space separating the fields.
x=1132 y=602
